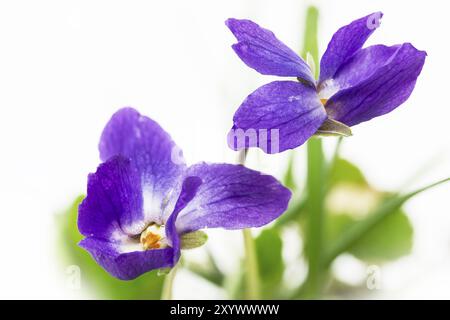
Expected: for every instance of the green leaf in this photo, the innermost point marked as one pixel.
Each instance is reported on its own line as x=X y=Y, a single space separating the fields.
x=270 y=261
x=343 y=171
x=388 y=240
x=147 y=286
x=392 y=238
x=359 y=229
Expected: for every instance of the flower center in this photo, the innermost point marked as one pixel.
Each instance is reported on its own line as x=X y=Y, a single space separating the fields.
x=154 y=237
x=327 y=89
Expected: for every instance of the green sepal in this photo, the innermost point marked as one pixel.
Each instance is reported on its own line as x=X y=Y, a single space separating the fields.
x=193 y=240
x=333 y=127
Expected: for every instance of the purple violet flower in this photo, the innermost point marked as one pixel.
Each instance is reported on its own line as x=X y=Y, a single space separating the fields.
x=143 y=198
x=355 y=84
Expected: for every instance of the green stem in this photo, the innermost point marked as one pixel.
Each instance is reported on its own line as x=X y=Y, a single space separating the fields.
x=360 y=229
x=251 y=261
x=251 y=266
x=310 y=43
x=315 y=176
x=316 y=217
x=168 y=284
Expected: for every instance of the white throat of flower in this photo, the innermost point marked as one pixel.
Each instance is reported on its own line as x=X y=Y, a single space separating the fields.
x=154 y=237
x=327 y=89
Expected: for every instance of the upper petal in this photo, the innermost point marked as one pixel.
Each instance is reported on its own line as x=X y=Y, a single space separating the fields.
x=345 y=42
x=363 y=64
x=152 y=152
x=113 y=201
x=262 y=51
x=232 y=197
x=384 y=90
x=128 y=265
x=278 y=116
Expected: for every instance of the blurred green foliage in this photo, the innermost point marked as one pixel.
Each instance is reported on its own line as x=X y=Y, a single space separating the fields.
x=270 y=261
x=343 y=171
x=147 y=286
x=389 y=239
x=271 y=266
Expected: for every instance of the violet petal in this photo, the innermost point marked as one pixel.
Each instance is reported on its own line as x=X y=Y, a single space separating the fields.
x=345 y=42
x=153 y=154
x=260 y=49
x=128 y=265
x=114 y=199
x=188 y=191
x=382 y=92
x=278 y=116
x=232 y=197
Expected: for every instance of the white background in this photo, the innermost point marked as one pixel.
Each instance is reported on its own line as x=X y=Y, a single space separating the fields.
x=66 y=66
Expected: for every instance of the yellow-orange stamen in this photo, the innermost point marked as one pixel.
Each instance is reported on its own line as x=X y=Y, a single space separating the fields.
x=152 y=237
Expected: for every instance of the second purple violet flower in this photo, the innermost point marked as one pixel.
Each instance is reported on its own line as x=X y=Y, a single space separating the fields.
x=355 y=85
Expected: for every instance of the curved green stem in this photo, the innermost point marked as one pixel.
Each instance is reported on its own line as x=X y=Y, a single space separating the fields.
x=358 y=230
x=167 y=293
x=252 y=284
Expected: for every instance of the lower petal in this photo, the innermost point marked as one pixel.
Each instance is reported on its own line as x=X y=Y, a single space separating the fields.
x=278 y=116
x=128 y=265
